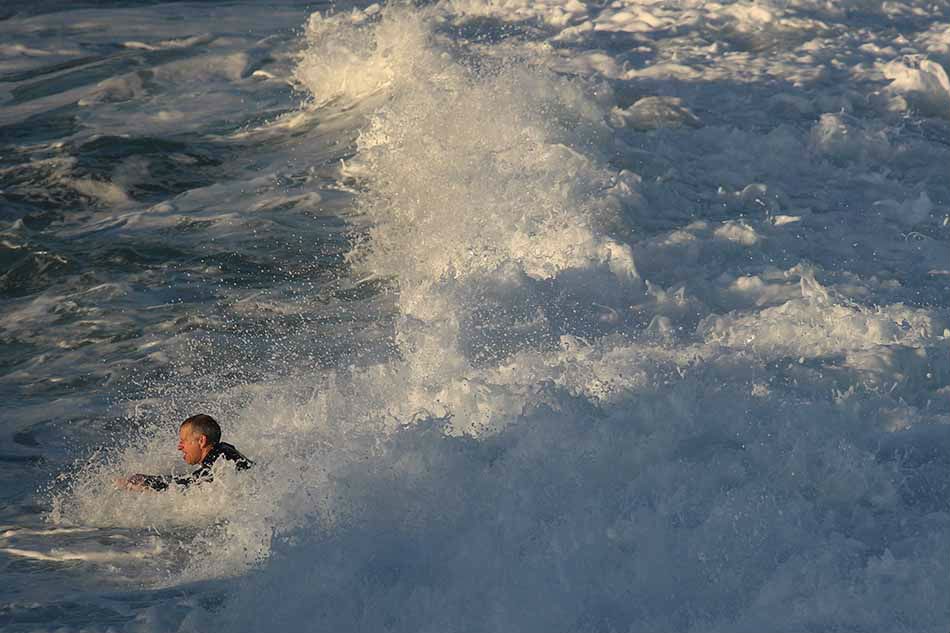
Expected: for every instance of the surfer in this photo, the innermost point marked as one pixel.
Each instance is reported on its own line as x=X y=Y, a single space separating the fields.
x=199 y=440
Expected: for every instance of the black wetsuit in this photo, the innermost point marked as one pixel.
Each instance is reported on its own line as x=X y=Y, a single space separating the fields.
x=203 y=472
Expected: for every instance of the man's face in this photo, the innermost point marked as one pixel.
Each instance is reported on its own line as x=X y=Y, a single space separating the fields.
x=191 y=444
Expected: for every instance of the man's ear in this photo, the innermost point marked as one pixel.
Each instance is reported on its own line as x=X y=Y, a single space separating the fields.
x=202 y=440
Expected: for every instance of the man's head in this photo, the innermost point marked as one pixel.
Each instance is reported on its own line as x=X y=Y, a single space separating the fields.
x=197 y=436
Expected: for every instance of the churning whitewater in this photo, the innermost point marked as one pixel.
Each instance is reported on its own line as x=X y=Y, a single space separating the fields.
x=564 y=316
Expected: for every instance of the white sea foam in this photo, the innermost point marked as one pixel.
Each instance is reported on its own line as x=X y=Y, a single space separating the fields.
x=923 y=82
x=566 y=482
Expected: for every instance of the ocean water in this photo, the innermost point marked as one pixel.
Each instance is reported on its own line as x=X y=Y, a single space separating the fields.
x=549 y=315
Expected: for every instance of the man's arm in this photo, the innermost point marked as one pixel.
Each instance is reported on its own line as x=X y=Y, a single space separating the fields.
x=140 y=482
x=160 y=483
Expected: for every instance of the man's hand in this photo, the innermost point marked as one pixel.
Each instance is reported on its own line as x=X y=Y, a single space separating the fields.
x=135 y=482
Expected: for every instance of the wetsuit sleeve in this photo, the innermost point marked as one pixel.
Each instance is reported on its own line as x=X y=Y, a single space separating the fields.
x=203 y=473
x=185 y=481
x=155 y=482
x=162 y=482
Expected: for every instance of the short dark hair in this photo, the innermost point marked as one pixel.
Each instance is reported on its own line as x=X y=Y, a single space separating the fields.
x=206 y=425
